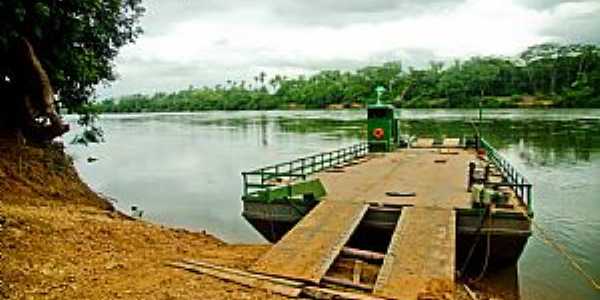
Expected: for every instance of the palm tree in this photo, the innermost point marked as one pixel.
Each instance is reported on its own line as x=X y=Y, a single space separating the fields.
x=262 y=75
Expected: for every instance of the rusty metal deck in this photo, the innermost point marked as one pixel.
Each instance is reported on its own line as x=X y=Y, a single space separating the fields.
x=421 y=256
x=436 y=184
x=307 y=251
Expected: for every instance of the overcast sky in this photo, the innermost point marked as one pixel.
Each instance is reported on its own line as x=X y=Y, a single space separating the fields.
x=205 y=42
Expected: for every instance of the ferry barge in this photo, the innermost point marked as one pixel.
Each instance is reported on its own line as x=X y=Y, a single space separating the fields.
x=427 y=207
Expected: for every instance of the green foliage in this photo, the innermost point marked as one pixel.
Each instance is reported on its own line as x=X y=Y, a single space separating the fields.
x=569 y=75
x=75 y=41
x=90 y=133
x=516 y=98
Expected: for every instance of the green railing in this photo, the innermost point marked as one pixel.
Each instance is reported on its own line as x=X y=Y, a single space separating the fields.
x=270 y=176
x=523 y=189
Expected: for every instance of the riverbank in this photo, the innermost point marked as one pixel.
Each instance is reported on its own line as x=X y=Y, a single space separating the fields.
x=59 y=239
x=143 y=104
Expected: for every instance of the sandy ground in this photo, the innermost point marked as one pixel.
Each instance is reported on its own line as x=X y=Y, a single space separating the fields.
x=60 y=240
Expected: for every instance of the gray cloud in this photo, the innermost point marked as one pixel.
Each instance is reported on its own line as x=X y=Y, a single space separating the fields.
x=582 y=28
x=545 y=4
x=236 y=39
x=339 y=13
x=138 y=76
x=163 y=15
x=142 y=77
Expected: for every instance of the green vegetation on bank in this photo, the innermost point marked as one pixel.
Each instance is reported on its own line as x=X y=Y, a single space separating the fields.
x=549 y=75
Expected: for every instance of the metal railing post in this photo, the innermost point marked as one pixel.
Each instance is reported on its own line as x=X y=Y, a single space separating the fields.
x=245 y=183
x=529 y=200
x=521 y=187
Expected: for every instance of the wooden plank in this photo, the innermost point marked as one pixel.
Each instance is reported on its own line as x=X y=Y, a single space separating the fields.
x=447 y=151
x=470 y=292
x=307 y=251
x=244 y=273
x=347 y=283
x=357 y=271
x=423 y=143
x=363 y=254
x=421 y=256
x=451 y=142
x=288 y=288
x=327 y=293
x=240 y=278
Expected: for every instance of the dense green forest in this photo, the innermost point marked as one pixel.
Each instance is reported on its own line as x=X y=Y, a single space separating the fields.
x=549 y=75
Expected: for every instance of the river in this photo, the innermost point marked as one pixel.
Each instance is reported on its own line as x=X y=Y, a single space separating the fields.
x=183 y=169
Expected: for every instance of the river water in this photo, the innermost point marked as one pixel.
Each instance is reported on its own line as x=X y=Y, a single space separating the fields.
x=183 y=169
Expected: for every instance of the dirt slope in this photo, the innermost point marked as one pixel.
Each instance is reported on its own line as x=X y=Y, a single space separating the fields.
x=60 y=240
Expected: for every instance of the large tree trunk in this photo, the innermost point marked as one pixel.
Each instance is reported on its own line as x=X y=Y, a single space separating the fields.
x=553 y=75
x=532 y=84
x=36 y=113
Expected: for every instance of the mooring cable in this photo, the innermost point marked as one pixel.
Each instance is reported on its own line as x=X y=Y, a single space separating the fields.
x=487 y=248
x=545 y=237
x=472 y=249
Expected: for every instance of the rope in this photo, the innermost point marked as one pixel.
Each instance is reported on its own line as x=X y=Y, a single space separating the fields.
x=475 y=128
x=545 y=237
x=488 y=247
x=272 y=229
x=462 y=270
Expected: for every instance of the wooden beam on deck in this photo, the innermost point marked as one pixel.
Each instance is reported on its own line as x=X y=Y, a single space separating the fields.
x=421 y=256
x=307 y=251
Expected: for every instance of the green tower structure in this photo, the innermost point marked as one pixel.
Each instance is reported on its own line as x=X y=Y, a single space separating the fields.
x=382 y=125
x=382 y=128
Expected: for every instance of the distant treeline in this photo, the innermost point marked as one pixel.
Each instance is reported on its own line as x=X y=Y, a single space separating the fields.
x=544 y=75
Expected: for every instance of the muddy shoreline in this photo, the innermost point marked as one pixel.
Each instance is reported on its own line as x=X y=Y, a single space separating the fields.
x=61 y=240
